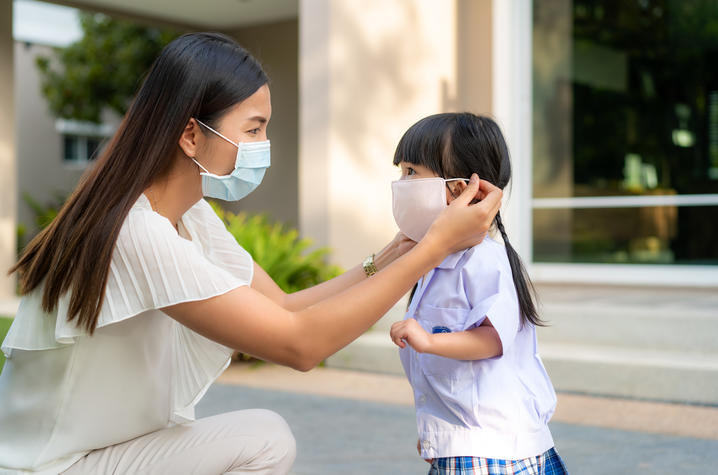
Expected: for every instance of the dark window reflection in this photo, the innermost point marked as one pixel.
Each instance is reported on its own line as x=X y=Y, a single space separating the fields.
x=625 y=97
x=625 y=103
x=650 y=235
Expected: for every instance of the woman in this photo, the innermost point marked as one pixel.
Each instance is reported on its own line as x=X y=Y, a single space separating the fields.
x=136 y=294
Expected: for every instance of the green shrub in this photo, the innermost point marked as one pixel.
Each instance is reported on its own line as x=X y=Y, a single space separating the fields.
x=279 y=250
x=44 y=214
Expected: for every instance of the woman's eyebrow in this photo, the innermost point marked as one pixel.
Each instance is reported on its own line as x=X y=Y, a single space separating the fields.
x=258 y=118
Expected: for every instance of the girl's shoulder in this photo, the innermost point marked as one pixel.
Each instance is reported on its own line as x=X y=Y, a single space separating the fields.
x=486 y=260
x=488 y=252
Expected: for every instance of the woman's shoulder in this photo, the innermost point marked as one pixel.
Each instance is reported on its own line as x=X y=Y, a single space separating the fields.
x=142 y=224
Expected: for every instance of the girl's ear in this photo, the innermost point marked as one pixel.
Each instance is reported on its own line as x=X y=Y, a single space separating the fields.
x=190 y=139
x=454 y=189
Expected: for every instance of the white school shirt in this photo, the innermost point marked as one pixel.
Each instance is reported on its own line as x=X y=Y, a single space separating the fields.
x=64 y=393
x=497 y=407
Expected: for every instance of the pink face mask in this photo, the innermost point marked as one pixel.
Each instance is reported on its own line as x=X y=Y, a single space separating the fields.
x=417 y=202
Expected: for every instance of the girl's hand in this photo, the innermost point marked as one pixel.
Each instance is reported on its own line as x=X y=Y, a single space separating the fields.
x=462 y=225
x=418 y=449
x=409 y=331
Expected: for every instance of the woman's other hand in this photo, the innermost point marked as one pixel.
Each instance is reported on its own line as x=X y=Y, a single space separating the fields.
x=398 y=246
x=462 y=224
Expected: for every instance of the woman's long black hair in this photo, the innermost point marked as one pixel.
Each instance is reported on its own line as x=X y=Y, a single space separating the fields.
x=200 y=75
x=455 y=145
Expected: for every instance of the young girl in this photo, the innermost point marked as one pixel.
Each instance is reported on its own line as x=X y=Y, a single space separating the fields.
x=483 y=398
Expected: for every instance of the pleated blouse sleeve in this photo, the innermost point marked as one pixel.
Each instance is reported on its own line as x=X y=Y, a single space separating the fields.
x=152 y=267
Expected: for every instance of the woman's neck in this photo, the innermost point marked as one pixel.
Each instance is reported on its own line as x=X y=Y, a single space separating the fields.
x=177 y=192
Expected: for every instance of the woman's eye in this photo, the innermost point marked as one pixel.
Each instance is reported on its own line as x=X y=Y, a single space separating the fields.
x=254 y=131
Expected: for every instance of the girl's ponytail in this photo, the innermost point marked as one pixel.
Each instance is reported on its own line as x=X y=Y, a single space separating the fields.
x=524 y=287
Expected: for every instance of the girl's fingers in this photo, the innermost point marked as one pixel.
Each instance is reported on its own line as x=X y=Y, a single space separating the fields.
x=395 y=334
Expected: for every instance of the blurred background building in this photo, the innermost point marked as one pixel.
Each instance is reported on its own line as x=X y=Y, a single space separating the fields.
x=610 y=109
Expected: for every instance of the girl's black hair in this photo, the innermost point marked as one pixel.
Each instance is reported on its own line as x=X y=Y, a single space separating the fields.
x=455 y=145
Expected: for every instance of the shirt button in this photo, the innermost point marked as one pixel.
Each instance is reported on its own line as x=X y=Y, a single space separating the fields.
x=422 y=399
x=426 y=445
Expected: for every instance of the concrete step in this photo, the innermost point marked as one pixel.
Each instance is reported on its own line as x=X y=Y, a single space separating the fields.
x=690 y=329
x=674 y=376
x=661 y=375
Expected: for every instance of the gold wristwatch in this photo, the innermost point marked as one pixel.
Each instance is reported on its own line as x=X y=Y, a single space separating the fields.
x=369 y=267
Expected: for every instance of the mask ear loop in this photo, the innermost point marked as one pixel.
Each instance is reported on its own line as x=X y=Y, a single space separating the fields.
x=222 y=136
x=210 y=128
x=446 y=183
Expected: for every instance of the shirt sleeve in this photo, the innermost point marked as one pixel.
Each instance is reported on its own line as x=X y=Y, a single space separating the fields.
x=490 y=289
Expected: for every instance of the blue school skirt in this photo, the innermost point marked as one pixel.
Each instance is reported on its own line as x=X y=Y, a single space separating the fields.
x=548 y=463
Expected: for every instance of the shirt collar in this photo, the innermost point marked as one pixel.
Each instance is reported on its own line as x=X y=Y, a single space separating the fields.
x=452 y=259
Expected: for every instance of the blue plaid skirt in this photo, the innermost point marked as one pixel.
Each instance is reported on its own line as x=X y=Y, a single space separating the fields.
x=548 y=463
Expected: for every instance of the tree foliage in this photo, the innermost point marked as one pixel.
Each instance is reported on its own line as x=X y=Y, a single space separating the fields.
x=103 y=69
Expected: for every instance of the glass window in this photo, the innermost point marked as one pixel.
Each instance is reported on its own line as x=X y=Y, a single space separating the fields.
x=93 y=145
x=79 y=149
x=71 y=148
x=625 y=101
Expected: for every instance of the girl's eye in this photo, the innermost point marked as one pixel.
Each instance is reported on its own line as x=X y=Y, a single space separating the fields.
x=410 y=171
x=254 y=131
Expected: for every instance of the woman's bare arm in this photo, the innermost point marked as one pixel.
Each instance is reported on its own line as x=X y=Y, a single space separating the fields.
x=296 y=301
x=249 y=321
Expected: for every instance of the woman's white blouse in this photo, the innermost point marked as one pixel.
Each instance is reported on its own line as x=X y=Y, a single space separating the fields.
x=497 y=407
x=64 y=393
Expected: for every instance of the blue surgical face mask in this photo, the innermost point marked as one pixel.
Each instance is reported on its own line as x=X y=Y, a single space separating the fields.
x=253 y=159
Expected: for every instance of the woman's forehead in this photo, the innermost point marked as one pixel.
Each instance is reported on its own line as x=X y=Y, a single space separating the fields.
x=257 y=107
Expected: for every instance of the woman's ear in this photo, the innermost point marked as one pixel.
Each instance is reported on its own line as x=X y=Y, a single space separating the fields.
x=454 y=189
x=191 y=138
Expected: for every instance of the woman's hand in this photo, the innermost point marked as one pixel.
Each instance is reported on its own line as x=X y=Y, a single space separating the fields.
x=398 y=246
x=409 y=331
x=462 y=224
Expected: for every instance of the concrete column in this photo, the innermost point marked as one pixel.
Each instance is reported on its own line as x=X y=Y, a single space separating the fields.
x=8 y=169
x=367 y=71
x=512 y=96
x=274 y=45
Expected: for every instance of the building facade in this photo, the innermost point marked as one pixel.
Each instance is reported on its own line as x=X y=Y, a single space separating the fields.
x=610 y=110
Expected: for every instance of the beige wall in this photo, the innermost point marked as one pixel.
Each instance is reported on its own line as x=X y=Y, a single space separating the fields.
x=41 y=171
x=8 y=173
x=275 y=45
x=368 y=70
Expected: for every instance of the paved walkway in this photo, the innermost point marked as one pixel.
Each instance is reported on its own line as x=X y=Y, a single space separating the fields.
x=348 y=422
